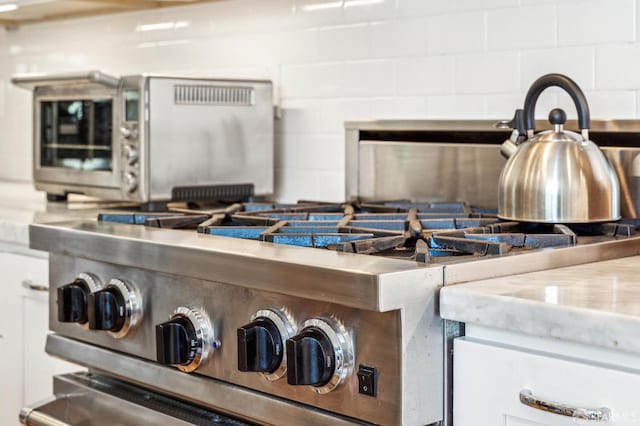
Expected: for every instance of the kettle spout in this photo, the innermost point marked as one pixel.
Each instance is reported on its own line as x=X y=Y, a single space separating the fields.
x=510 y=146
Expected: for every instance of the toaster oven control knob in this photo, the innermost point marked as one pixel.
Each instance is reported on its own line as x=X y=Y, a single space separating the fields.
x=320 y=355
x=131 y=182
x=116 y=308
x=128 y=133
x=72 y=298
x=185 y=341
x=130 y=154
x=261 y=343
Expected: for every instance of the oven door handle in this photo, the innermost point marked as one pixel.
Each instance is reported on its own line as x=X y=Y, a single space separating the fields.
x=87 y=77
x=30 y=417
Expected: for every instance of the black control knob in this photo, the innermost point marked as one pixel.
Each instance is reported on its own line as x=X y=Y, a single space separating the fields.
x=310 y=358
x=176 y=342
x=106 y=309
x=259 y=346
x=72 y=302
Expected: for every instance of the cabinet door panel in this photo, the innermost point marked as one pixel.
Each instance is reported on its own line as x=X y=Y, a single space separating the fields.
x=488 y=380
x=39 y=367
x=514 y=421
x=15 y=269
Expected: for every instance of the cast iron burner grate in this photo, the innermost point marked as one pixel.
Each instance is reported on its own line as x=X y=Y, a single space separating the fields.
x=420 y=231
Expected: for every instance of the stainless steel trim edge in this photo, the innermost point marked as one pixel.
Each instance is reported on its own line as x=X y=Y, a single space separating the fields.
x=599 y=125
x=217 y=395
x=329 y=276
x=30 y=81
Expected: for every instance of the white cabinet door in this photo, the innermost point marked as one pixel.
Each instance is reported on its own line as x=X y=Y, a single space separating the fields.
x=11 y=341
x=39 y=367
x=488 y=380
x=26 y=371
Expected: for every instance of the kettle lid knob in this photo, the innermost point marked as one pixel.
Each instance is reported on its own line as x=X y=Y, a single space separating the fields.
x=557 y=116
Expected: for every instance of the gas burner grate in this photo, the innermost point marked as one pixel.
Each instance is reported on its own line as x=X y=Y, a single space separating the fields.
x=419 y=231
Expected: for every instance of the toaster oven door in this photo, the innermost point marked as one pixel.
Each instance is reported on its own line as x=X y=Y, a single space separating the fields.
x=76 y=141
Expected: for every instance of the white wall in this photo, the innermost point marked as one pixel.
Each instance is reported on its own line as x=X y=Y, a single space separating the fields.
x=337 y=60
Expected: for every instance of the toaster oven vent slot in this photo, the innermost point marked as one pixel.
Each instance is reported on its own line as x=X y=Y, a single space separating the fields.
x=192 y=94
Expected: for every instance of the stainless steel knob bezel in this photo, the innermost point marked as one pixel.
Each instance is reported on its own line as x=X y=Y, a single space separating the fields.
x=342 y=349
x=284 y=323
x=94 y=284
x=204 y=335
x=132 y=307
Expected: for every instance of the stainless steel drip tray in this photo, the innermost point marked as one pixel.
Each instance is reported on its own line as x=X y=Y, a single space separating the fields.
x=97 y=400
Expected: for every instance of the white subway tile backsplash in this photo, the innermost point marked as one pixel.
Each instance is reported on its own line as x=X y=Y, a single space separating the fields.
x=369 y=10
x=331 y=186
x=285 y=149
x=492 y=72
x=334 y=112
x=318 y=12
x=503 y=106
x=370 y=78
x=433 y=74
x=596 y=21
x=618 y=67
x=320 y=152
x=522 y=27
x=576 y=62
x=3 y=85
x=337 y=60
x=418 y=7
x=301 y=116
x=350 y=79
x=453 y=33
x=399 y=108
x=313 y=80
x=456 y=106
x=403 y=37
x=491 y=4
x=293 y=184
x=604 y=104
x=344 y=42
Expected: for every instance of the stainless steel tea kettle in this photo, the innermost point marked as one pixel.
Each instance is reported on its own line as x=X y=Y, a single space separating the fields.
x=556 y=176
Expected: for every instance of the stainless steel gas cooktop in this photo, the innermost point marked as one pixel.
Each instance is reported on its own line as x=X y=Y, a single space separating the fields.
x=421 y=231
x=343 y=330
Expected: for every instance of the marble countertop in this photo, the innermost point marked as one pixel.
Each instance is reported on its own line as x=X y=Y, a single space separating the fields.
x=21 y=205
x=596 y=303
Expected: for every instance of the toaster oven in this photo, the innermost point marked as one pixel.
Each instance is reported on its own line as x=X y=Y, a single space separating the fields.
x=147 y=138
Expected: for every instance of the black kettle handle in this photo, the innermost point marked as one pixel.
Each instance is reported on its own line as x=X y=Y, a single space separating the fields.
x=564 y=82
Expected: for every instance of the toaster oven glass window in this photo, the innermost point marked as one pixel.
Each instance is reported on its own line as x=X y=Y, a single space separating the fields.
x=131 y=105
x=76 y=134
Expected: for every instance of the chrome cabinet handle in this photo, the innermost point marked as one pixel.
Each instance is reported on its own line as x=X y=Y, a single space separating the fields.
x=30 y=285
x=597 y=414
